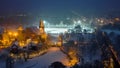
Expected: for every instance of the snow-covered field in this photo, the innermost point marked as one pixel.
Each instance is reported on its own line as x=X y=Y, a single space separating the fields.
x=53 y=54
x=55 y=30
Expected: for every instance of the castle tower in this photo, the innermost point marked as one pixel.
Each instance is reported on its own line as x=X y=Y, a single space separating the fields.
x=41 y=27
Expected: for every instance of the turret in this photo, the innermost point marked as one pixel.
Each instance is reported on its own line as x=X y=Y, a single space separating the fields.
x=41 y=27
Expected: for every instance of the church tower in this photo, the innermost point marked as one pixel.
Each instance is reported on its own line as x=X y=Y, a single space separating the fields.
x=41 y=27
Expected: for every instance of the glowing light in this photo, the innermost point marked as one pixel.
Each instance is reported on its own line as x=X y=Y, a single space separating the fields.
x=75 y=42
x=73 y=62
x=79 y=22
x=44 y=22
x=36 y=42
x=10 y=33
x=101 y=21
x=28 y=41
x=59 y=43
x=15 y=34
x=117 y=19
x=21 y=43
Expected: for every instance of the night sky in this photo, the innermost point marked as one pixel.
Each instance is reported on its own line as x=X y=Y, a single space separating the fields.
x=59 y=7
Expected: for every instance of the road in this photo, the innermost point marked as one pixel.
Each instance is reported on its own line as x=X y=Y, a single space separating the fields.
x=54 y=54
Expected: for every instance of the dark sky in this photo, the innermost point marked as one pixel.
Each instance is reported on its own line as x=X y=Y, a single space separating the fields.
x=59 y=7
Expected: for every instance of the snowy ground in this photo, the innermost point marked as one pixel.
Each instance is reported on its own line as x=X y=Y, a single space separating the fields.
x=53 y=54
x=55 y=30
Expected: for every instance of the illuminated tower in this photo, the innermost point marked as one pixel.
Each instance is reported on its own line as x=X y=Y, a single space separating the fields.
x=41 y=27
x=43 y=35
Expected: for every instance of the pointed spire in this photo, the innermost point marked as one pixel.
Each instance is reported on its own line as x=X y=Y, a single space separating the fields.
x=41 y=25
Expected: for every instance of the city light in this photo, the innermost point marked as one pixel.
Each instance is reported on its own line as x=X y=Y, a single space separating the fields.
x=15 y=34
x=44 y=21
x=10 y=33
